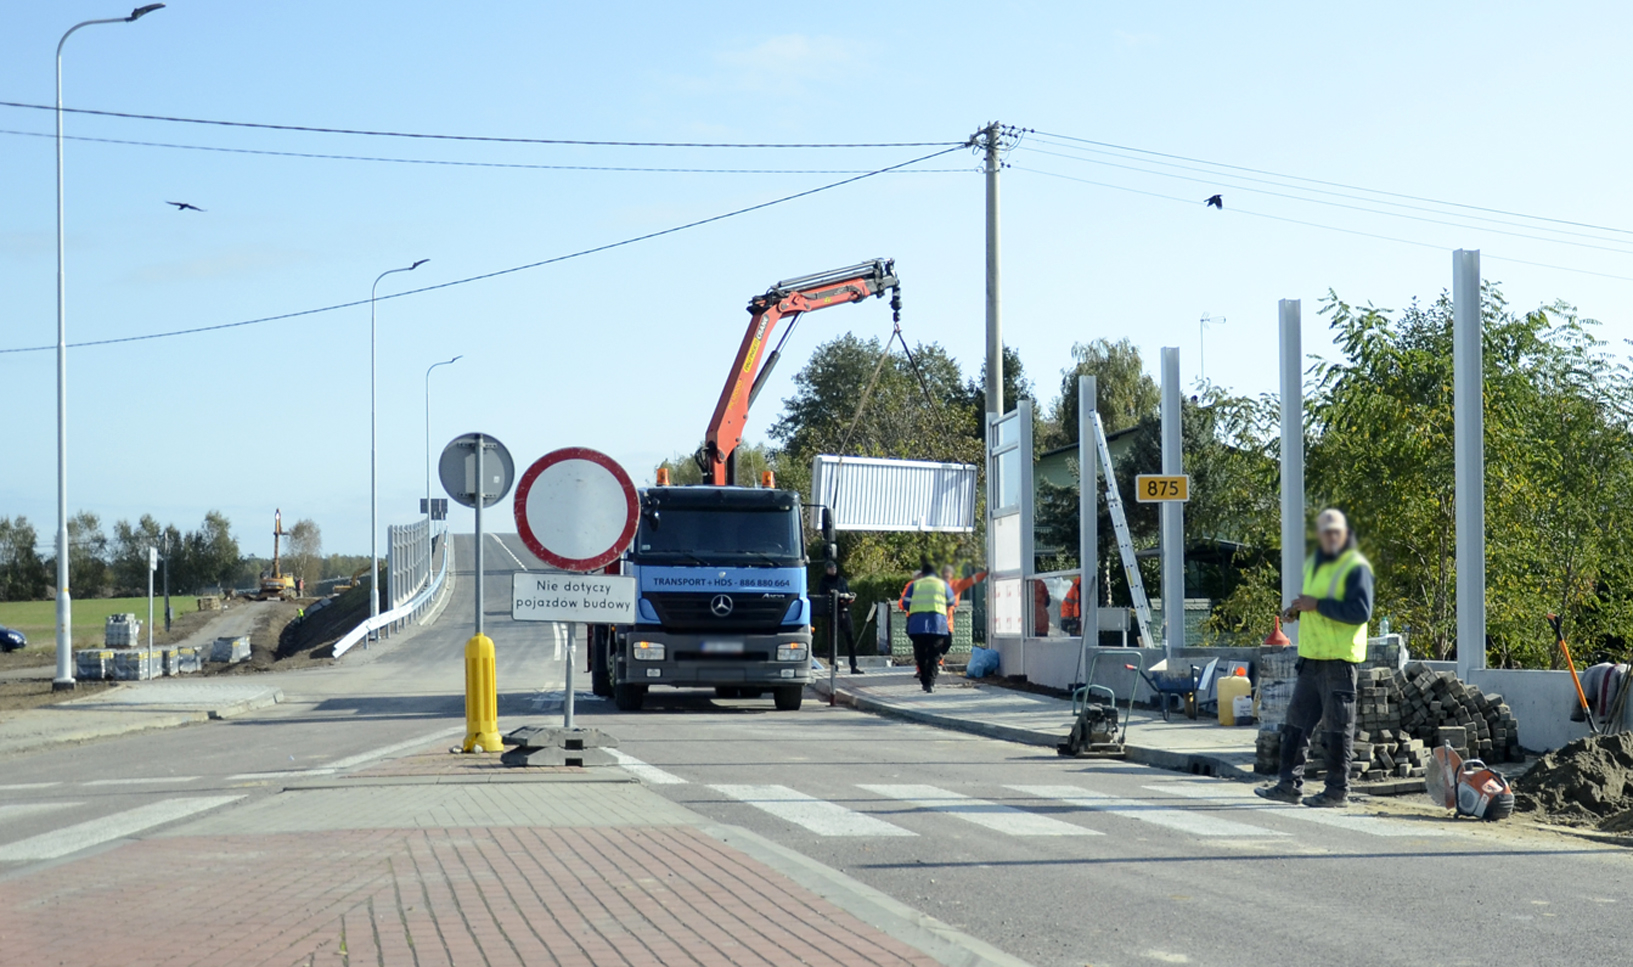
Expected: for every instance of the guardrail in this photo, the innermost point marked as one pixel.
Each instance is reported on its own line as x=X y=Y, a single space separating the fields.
x=405 y=612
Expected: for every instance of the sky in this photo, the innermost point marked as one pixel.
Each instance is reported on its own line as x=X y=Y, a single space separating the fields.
x=1515 y=109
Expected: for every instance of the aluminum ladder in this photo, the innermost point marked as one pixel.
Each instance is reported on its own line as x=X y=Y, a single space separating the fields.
x=1125 y=544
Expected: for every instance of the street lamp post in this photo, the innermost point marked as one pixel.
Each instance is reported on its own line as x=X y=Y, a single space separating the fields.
x=65 y=607
x=446 y=362
x=374 y=460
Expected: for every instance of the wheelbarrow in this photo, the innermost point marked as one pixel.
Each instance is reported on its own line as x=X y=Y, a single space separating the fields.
x=1170 y=685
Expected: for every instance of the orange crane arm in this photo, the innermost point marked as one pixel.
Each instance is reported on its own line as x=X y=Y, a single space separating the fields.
x=785 y=300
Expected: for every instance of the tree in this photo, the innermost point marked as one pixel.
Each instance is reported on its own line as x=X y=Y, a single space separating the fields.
x=87 y=556
x=1124 y=393
x=127 y=564
x=211 y=552
x=22 y=572
x=306 y=551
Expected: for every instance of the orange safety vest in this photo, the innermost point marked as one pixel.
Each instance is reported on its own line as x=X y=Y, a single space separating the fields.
x=1072 y=605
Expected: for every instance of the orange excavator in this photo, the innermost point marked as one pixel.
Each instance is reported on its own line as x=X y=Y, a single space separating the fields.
x=788 y=300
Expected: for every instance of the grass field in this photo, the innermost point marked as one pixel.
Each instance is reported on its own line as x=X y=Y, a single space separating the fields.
x=38 y=619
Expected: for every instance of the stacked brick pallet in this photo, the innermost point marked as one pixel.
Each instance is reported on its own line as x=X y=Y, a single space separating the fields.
x=1402 y=715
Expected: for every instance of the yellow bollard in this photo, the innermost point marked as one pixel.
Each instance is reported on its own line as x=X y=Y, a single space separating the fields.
x=481 y=697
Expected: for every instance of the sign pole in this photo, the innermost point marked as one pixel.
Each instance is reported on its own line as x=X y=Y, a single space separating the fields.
x=481 y=445
x=152 y=564
x=567 y=705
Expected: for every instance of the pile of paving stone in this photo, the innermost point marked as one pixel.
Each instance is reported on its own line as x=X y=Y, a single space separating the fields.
x=1402 y=715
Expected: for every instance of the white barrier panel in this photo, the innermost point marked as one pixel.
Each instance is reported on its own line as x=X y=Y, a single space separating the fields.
x=408 y=610
x=874 y=494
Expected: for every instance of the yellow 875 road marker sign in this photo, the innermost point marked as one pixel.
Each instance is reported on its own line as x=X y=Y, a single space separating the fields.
x=1152 y=488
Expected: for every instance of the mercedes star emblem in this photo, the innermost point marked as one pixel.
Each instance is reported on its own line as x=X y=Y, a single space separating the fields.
x=721 y=605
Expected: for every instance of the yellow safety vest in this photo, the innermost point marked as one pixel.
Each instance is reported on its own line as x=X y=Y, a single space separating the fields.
x=1321 y=637
x=930 y=594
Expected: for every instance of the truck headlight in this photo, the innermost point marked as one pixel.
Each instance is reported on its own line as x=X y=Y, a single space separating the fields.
x=791 y=652
x=647 y=651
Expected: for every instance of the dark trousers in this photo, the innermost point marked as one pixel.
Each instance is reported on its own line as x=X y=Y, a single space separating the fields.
x=1323 y=695
x=850 y=635
x=927 y=652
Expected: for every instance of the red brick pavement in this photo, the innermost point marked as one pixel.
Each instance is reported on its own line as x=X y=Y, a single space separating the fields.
x=504 y=896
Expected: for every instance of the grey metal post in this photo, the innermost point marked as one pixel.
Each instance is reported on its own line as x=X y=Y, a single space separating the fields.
x=1468 y=398
x=374 y=460
x=567 y=700
x=64 y=680
x=446 y=362
x=1173 y=512
x=1292 y=456
x=152 y=560
x=481 y=493
x=995 y=333
x=1088 y=518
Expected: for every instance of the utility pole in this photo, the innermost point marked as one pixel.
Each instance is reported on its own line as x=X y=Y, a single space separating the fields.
x=1173 y=512
x=989 y=139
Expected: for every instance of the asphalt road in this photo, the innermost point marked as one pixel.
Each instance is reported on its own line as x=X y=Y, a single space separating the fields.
x=1059 y=862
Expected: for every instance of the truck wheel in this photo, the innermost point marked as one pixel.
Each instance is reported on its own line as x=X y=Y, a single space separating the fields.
x=600 y=662
x=788 y=697
x=629 y=698
x=728 y=691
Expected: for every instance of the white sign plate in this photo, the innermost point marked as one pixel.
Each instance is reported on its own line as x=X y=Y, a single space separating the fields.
x=576 y=509
x=564 y=596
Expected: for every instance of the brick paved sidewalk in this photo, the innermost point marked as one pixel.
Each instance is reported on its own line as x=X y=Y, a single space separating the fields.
x=481 y=896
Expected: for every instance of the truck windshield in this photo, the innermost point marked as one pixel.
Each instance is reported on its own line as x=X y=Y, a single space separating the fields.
x=720 y=537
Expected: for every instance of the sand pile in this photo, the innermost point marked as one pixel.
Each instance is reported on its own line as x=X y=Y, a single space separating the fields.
x=1588 y=782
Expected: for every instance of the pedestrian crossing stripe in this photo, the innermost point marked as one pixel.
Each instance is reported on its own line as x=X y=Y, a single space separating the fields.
x=72 y=839
x=1241 y=797
x=1183 y=820
x=982 y=812
x=817 y=815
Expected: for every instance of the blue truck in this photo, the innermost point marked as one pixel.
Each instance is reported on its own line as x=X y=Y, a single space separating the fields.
x=722 y=604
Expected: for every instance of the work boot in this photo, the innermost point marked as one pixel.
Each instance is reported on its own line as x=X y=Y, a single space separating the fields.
x=855 y=670
x=1326 y=800
x=1280 y=792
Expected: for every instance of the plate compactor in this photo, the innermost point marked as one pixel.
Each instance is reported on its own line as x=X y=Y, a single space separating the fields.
x=1095 y=732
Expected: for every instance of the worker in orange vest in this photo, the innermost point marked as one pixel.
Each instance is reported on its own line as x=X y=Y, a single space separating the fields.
x=1071 y=609
x=1040 y=609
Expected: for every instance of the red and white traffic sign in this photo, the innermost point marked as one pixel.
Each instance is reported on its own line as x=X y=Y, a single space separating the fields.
x=576 y=509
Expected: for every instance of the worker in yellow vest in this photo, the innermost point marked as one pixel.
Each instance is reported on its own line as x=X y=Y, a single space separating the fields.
x=928 y=600
x=1332 y=614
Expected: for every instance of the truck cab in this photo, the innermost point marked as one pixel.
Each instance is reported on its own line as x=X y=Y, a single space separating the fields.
x=721 y=584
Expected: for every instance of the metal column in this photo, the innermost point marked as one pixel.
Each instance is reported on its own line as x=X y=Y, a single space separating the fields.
x=995 y=333
x=1088 y=554
x=1173 y=512
x=1468 y=396
x=1292 y=457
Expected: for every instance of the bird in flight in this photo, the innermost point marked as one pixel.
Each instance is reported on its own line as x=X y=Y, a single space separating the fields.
x=182 y=206
x=1215 y=201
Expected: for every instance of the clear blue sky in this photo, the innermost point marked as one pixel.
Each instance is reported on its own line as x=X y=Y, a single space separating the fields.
x=1517 y=107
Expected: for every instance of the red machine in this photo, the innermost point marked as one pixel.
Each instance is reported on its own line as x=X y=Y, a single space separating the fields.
x=785 y=300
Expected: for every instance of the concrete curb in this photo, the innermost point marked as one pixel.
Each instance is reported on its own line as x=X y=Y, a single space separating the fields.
x=919 y=930
x=122 y=722
x=1196 y=763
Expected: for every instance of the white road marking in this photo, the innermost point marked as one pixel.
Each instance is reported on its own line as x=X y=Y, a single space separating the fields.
x=1003 y=819
x=1183 y=820
x=22 y=786
x=284 y=774
x=817 y=815
x=1243 y=798
x=380 y=753
x=145 y=781
x=72 y=839
x=651 y=775
x=506 y=548
x=18 y=810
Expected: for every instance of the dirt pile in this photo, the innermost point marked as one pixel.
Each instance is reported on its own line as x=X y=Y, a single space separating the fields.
x=313 y=636
x=1585 y=783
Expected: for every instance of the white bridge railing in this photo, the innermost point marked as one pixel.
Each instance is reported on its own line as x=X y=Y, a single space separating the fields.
x=408 y=610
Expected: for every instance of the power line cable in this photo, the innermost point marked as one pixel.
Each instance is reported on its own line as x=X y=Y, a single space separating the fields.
x=492 y=275
x=1338 y=184
x=311 y=129
x=1335 y=204
x=1238 y=210
x=1282 y=184
x=472 y=164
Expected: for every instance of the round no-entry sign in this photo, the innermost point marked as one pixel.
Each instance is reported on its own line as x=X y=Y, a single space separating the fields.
x=576 y=509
